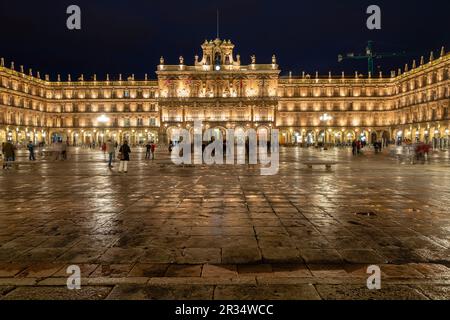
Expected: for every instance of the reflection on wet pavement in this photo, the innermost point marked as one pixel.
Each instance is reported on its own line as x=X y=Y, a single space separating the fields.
x=161 y=221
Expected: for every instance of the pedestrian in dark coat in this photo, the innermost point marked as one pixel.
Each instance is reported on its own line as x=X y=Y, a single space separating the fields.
x=124 y=153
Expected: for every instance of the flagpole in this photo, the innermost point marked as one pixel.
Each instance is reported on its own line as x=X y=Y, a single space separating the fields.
x=217 y=23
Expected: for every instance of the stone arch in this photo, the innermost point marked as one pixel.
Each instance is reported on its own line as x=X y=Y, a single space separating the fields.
x=216 y=131
x=126 y=135
x=399 y=135
x=89 y=136
x=350 y=135
x=364 y=135
x=172 y=133
x=3 y=134
x=240 y=133
x=75 y=138
x=373 y=136
x=284 y=137
x=56 y=135
x=310 y=137
x=385 y=135
x=152 y=135
x=263 y=130
x=338 y=137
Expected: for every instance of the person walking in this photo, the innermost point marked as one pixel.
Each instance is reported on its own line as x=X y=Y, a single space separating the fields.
x=64 y=150
x=153 y=148
x=110 y=150
x=2 y=158
x=57 y=150
x=124 y=153
x=354 y=143
x=30 y=147
x=148 y=150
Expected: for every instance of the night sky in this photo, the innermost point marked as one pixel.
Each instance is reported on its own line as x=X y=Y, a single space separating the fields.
x=129 y=36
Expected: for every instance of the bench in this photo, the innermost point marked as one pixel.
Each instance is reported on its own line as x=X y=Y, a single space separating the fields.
x=327 y=164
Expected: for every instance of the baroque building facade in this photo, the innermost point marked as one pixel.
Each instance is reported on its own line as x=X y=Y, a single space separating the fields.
x=223 y=93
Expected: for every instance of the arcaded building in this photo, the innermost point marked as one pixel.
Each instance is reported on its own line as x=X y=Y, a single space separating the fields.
x=411 y=103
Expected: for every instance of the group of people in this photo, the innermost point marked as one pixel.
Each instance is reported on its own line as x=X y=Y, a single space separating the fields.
x=150 y=150
x=9 y=153
x=357 y=145
x=123 y=155
x=109 y=147
x=378 y=146
x=60 y=150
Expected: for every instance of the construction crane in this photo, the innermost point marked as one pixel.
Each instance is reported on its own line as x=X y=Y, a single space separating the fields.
x=370 y=56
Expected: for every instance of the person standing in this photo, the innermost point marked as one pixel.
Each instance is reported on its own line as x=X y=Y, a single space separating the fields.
x=110 y=150
x=8 y=153
x=30 y=147
x=148 y=150
x=153 y=148
x=104 y=148
x=2 y=157
x=124 y=157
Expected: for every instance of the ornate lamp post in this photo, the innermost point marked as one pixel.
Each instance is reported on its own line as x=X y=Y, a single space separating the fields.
x=325 y=118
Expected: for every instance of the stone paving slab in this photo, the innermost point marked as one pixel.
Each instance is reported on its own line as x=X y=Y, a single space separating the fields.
x=5 y=290
x=57 y=293
x=358 y=292
x=161 y=292
x=266 y=292
x=435 y=292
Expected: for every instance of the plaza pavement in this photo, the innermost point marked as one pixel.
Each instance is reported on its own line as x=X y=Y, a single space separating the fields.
x=224 y=232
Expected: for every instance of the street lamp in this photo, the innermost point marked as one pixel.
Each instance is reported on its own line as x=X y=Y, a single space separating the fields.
x=325 y=118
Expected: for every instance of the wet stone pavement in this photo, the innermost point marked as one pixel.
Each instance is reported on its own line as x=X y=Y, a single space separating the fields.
x=225 y=232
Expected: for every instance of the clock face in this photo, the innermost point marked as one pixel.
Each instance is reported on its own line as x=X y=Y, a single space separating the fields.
x=217 y=68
